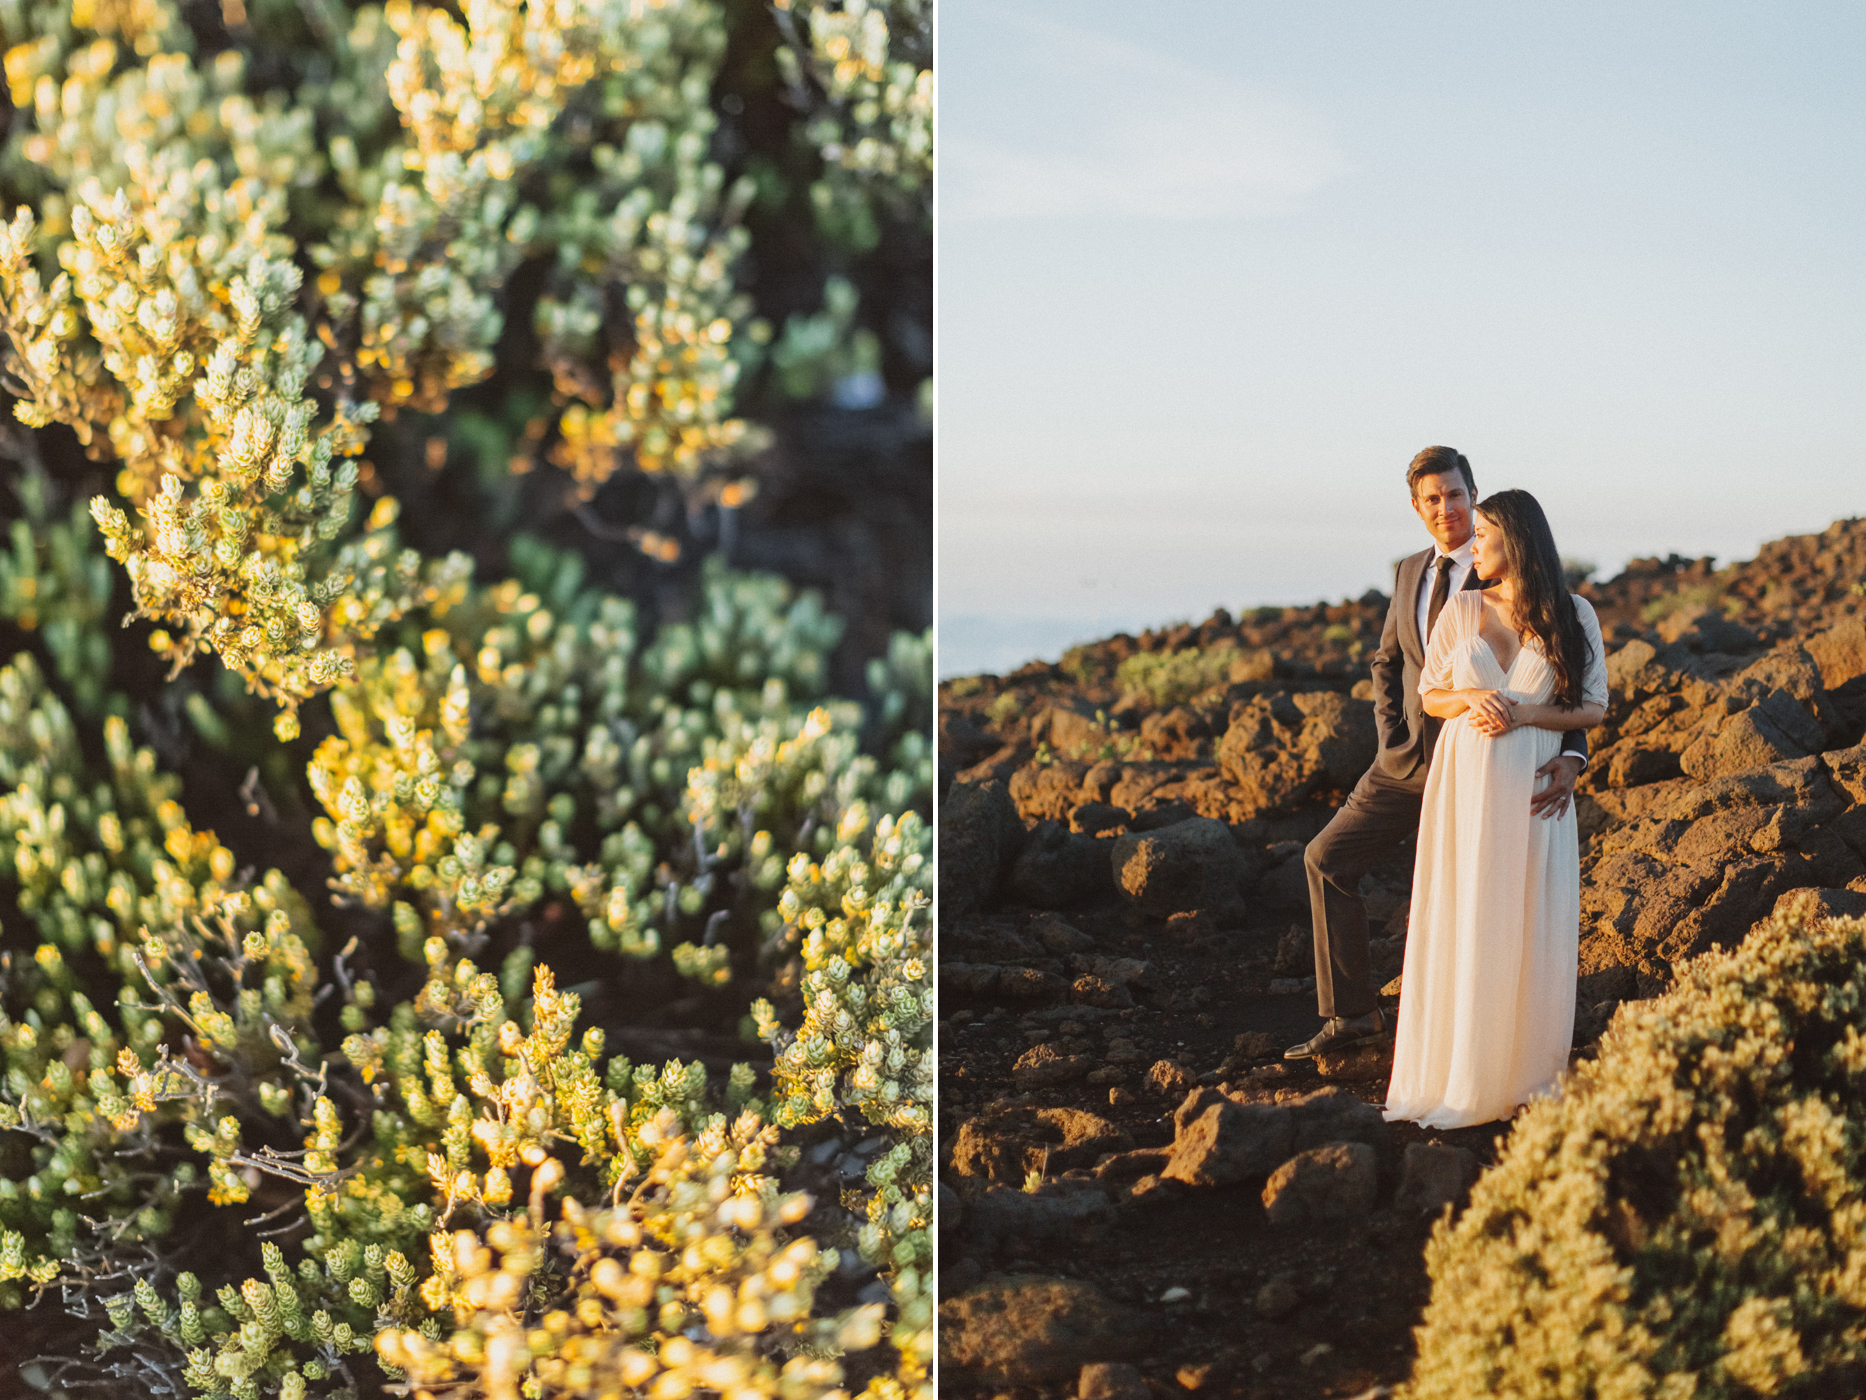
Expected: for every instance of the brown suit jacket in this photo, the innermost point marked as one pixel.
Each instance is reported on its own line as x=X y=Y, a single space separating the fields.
x=1406 y=731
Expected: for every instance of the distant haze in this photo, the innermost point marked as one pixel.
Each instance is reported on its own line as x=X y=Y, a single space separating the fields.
x=1210 y=273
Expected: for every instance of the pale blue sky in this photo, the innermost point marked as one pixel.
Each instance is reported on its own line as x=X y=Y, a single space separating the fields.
x=1210 y=273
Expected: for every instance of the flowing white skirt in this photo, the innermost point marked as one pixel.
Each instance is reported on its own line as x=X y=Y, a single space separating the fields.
x=1486 y=1012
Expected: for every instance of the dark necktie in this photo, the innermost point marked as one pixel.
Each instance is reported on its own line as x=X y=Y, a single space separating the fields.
x=1441 y=590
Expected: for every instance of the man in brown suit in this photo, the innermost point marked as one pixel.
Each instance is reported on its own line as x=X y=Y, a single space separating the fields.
x=1383 y=809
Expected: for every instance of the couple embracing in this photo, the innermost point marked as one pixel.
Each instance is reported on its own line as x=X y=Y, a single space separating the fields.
x=1488 y=674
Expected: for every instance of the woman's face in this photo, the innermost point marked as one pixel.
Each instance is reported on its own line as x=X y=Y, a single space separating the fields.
x=1488 y=558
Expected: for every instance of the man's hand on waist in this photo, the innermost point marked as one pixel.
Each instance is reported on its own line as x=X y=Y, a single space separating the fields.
x=1553 y=800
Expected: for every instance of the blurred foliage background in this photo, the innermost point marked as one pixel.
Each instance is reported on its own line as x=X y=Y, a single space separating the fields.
x=465 y=748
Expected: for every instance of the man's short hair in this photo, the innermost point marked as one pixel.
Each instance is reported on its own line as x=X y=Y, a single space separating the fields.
x=1436 y=461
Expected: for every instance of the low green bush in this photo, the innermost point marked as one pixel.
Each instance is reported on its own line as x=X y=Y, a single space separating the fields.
x=1169 y=678
x=1688 y=1219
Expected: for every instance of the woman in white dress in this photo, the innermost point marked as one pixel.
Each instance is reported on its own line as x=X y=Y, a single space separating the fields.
x=1487 y=995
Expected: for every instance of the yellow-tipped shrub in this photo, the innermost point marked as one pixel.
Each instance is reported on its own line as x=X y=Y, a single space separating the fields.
x=1689 y=1218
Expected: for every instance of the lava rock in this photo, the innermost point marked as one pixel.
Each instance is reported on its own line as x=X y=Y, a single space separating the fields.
x=1840 y=652
x=1127 y=972
x=1091 y=990
x=1111 y=1380
x=1705 y=629
x=1295 y=950
x=1774 y=729
x=1132 y=1166
x=1254 y=1045
x=1169 y=1079
x=1023 y=1329
x=951 y=1213
x=1336 y=1181
x=1635 y=765
x=1178 y=733
x=1044 y=1065
x=1047 y=791
x=1230 y=1142
x=1827 y=903
x=962 y=743
x=1059 y=937
x=1155 y=1190
x=1006 y=1216
x=1099 y=819
x=1193 y=1106
x=979 y=834
x=1279 y=748
x=1189 y=865
x=1007 y=1145
x=971 y=983
x=1433 y=1175
x=1121 y=1051
x=1371 y=1059
x=1057 y=869
x=1071 y=730
x=1335 y=1115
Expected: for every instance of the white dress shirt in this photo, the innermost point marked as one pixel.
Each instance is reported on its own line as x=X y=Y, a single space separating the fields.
x=1460 y=571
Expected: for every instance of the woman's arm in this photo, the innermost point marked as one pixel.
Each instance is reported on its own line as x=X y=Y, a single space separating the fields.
x=1483 y=705
x=1560 y=718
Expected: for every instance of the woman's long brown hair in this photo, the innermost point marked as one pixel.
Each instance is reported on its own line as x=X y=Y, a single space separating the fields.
x=1544 y=606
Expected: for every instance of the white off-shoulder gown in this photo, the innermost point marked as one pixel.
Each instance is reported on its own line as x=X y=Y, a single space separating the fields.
x=1487 y=994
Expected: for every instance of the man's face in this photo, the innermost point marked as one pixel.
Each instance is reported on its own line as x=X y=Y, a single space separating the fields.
x=1443 y=502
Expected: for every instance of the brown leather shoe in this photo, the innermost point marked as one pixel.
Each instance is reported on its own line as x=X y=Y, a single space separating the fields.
x=1341 y=1032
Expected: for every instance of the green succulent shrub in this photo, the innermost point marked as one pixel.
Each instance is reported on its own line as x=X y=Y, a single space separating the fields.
x=1168 y=678
x=1686 y=1220
x=326 y=1083
x=1695 y=596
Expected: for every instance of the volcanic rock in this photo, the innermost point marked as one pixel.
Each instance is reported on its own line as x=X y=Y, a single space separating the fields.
x=962 y=743
x=1231 y=1142
x=1132 y=1166
x=1022 y=1329
x=1774 y=729
x=1044 y=1065
x=951 y=1213
x=1072 y=730
x=1433 y=1175
x=1004 y=1216
x=979 y=833
x=1825 y=903
x=1190 y=865
x=973 y=983
x=1093 y=818
x=1111 y=1380
x=1007 y=1145
x=1047 y=791
x=1370 y=1060
x=1092 y=990
x=1279 y=748
x=1057 y=869
x=1169 y=1079
x=1336 y=1181
x=1335 y=1115
x=1060 y=937
x=1178 y=733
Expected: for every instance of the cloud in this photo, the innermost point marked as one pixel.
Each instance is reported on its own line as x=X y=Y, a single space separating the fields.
x=1138 y=134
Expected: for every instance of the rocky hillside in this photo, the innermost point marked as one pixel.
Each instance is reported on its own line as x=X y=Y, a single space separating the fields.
x=1124 y=951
